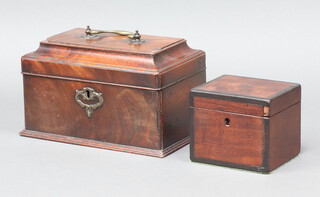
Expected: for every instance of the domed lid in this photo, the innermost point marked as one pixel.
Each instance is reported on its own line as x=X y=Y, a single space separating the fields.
x=149 y=62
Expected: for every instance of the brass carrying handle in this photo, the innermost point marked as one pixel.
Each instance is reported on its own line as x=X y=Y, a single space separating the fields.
x=134 y=36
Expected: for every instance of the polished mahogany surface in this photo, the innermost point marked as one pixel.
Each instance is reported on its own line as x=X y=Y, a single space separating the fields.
x=145 y=88
x=245 y=123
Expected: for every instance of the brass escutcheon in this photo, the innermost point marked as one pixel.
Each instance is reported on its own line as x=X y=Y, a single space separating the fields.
x=89 y=94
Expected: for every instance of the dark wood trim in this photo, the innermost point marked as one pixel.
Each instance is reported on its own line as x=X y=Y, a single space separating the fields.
x=105 y=145
x=260 y=169
x=192 y=130
x=265 y=162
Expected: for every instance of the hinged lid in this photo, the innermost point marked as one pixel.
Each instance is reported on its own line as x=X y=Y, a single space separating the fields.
x=244 y=95
x=108 y=58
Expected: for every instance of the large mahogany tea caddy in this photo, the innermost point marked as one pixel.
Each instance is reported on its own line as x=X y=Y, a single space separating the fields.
x=117 y=90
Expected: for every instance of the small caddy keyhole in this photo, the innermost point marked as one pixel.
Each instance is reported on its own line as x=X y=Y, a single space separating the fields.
x=227 y=122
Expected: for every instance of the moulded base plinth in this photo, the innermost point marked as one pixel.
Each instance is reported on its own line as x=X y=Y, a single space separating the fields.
x=106 y=145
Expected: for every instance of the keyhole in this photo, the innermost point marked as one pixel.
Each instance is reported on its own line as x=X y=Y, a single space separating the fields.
x=227 y=122
x=88 y=93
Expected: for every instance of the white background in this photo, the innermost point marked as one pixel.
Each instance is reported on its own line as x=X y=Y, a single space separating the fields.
x=271 y=39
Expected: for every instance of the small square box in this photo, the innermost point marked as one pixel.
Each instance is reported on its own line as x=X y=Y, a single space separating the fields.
x=245 y=123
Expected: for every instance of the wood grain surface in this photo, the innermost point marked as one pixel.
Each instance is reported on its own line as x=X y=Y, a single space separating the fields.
x=244 y=86
x=145 y=89
x=284 y=136
x=143 y=71
x=245 y=123
x=175 y=109
x=128 y=116
x=229 y=106
x=276 y=95
x=241 y=142
x=112 y=42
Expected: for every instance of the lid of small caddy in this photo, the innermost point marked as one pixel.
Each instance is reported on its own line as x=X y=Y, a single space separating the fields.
x=253 y=96
x=149 y=62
